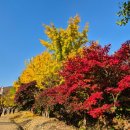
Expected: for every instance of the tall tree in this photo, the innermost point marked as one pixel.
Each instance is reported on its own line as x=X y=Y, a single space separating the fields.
x=65 y=42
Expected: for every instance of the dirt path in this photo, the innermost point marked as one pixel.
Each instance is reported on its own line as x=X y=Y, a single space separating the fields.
x=41 y=123
x=29 y=121
x=7 y=124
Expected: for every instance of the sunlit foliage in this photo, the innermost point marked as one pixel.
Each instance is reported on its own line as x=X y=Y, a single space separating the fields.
x=43 y=69
x=65 y=42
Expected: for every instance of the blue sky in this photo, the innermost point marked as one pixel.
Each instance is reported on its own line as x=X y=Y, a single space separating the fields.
x=21 y=28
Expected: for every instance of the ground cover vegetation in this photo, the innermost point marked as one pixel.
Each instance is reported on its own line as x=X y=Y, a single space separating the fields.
x=77 y=81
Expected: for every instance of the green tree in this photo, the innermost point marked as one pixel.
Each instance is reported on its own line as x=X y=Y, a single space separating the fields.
x=124 y=13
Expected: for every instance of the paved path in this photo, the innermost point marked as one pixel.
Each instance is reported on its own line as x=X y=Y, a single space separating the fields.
x=6 y=124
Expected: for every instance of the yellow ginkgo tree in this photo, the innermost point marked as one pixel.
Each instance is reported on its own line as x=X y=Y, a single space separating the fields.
x=65 y=42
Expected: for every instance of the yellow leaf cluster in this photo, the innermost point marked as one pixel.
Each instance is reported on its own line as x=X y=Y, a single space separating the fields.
x=65 y=42
x=16 y=84
x=8 y=98
x=42 y=68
